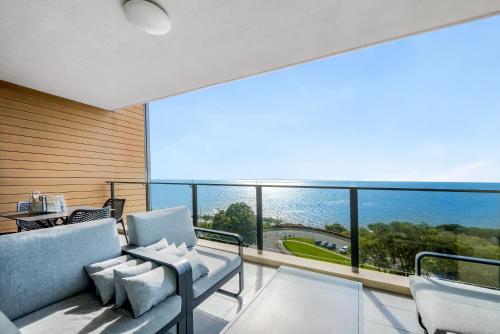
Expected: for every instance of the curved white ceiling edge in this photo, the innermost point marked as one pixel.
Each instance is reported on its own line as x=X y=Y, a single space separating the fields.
x=87 y=50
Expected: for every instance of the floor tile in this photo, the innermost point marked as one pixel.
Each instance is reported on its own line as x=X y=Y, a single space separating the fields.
x=259 y=270
x=371 y=327
x=389 y=299
x=216 y=307
x=233 y=313
x=384 y=313
x=204 y=325
x=391 y=316
x=234 y=283
x=220 y=326
x=255 y=278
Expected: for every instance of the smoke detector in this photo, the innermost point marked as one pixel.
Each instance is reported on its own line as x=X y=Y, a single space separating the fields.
x=147 y=16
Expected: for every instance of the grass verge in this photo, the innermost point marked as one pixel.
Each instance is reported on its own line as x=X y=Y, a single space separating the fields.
x=310 y=251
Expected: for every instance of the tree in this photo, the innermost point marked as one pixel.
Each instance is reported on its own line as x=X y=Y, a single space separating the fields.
x=394 y=246
x=237 y=218
x=337 y=228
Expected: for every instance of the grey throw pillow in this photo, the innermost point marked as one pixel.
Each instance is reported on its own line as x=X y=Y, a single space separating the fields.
x=120 y=273
x=96 y=267
x=146 y=290
x=198 y=267
x=104 y=280
x=159 y=245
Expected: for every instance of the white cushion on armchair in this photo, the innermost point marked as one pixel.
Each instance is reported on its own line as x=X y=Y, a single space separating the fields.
x=174 y=224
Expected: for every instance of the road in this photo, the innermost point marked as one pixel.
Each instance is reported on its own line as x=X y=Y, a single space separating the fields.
x=272 y=237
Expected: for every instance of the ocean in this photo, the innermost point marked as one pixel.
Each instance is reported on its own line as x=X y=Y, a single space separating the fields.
x=318 y=207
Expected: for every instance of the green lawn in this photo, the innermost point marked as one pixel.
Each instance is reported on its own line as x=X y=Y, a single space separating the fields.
x=303 y=239
x=308 y=250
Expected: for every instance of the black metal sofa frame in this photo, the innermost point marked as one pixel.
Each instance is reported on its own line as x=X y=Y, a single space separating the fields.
x=185 y=281
x=183 y=272
x=237 y=271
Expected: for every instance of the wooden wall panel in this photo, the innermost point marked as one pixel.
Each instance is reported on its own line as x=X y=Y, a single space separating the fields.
x=59 y=146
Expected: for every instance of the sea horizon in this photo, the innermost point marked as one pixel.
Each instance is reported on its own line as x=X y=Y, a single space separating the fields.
x=319 y=207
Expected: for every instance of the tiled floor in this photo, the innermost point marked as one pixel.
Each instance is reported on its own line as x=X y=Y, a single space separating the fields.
x=384 y=313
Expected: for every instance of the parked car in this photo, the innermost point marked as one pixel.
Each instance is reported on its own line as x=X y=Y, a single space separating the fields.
x=331 y=246
x=344 y=249
x=318 y=242
x=324 y=243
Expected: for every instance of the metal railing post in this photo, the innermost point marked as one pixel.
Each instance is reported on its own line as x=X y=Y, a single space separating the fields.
x=194 y=196
x=148 y=196
x=353 y=196
x=260 y=233
x=112 y=189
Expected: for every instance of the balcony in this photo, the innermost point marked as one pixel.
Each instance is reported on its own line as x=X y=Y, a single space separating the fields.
x=384 y=312
x=74 y=121
x=274 y=242
x=388 y=306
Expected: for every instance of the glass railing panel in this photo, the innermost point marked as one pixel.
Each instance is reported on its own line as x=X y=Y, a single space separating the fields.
x=170 y=195
x=395 y=225
x=228 y=208
x=308 y=223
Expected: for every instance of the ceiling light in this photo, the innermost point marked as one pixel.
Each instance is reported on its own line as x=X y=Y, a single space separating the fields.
x=147 y=16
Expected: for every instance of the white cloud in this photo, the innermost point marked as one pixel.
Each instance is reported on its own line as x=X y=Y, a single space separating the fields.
x=473 y=171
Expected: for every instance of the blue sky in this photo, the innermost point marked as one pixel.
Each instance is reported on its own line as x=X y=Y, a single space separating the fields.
x=425 y=108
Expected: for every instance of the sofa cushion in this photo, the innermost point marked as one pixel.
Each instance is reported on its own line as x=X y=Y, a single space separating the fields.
x=105 y=282
x=455 y=307
x=42 y=267
x=174 y=224
x=84 y=313
x=219 y=263
x=120 y=293
x=146 y=290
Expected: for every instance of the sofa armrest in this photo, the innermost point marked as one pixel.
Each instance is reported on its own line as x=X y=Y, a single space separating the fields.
x=235 y=236
x=180 y=266
x=7 y=326
x=420 y=256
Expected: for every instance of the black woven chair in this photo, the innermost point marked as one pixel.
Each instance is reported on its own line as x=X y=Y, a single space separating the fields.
x=29 y=226
x=84 y=215
x=117 y=206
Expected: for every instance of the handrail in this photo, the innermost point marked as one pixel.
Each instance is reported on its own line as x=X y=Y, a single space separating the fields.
x=420 y=256
x=236 y=236
x=353 y=202
x=301 y=186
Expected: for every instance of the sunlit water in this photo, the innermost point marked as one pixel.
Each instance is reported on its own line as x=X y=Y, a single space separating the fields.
x=318 y=207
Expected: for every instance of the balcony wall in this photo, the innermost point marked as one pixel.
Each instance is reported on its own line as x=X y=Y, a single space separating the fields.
x=57 y=145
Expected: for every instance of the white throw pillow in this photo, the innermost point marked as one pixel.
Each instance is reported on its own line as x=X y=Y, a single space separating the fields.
x=198 y=267
x=172 y=250
x=181 y=250
x=159 y=245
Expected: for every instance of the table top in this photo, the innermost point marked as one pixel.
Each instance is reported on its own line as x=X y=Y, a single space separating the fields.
x=299 y=301
x=27 y=217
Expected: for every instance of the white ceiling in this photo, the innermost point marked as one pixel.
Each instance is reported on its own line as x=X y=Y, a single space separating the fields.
x=86 y=50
